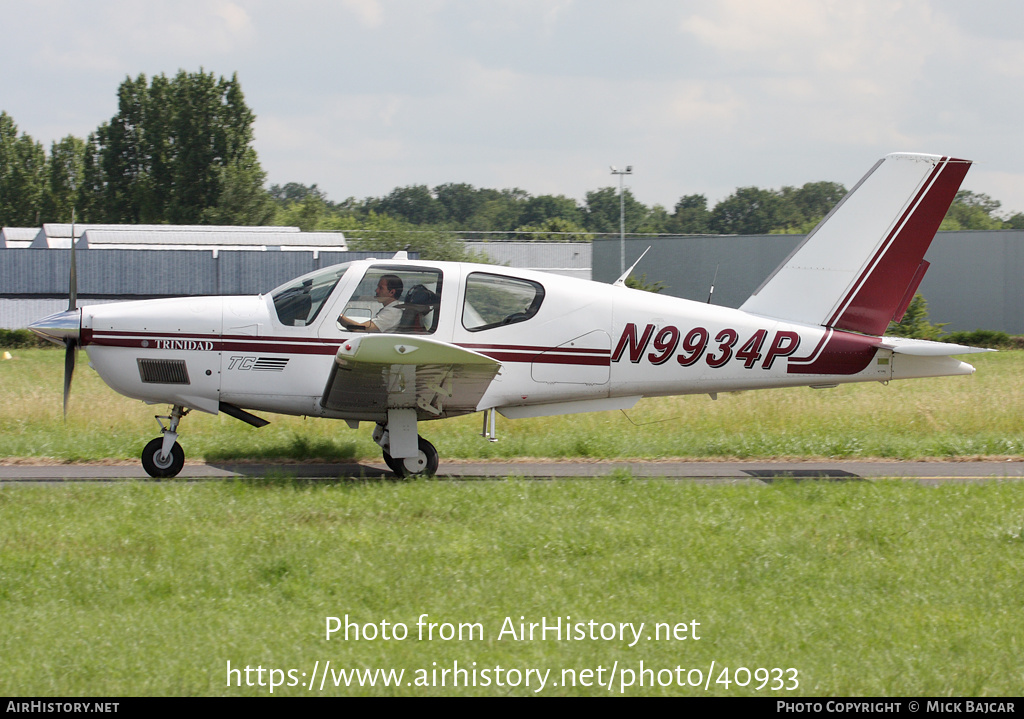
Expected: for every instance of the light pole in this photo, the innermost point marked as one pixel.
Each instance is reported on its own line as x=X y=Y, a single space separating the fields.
x=622 y=216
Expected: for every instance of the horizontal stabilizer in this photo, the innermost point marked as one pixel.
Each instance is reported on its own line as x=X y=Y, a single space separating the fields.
x=859 y=268
x=926 y=348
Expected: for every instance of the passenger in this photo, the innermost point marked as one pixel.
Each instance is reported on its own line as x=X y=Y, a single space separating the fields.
x=389 y=289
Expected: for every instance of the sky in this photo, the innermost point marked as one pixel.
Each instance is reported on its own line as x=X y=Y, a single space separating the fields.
x=699 y=97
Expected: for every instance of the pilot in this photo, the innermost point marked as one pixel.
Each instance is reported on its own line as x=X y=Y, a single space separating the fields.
x=389 y=289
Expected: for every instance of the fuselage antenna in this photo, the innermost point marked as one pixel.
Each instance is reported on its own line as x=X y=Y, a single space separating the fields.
x=712 y=290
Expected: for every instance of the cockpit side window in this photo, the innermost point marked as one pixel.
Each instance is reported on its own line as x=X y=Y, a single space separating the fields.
x=497 y=300
x=299 y=302
x=414 y=309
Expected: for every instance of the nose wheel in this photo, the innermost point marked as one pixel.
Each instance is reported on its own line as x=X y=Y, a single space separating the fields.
x=160 y=465
x=164 y=457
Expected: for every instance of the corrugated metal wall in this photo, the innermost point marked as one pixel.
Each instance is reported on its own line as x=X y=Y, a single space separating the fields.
x=34 y=282
x=974 y=282
x=142 y=273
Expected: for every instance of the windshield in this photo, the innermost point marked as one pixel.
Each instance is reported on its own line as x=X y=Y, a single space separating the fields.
x=298 y=302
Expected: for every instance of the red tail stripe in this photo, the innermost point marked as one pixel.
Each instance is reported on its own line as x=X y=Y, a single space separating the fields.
x=878 y=293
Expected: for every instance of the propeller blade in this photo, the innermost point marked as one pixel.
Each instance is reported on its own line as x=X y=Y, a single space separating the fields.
x=70 y=357
x=71 y=341
x=73 y=279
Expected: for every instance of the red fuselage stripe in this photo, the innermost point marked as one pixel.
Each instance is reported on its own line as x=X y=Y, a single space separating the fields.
x=317 y=346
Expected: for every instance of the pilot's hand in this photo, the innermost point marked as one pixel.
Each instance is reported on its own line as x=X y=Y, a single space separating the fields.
x=350 y=325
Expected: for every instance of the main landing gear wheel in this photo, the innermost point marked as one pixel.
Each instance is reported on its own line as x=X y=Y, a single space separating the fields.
x=424 y=464
x=159 y=466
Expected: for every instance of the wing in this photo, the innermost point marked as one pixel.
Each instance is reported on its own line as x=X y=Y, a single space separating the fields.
x=375 y=373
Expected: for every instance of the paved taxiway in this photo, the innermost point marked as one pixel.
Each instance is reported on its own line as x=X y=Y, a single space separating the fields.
x=763 y=471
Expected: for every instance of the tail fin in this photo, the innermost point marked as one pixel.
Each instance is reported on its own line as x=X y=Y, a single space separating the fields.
x=860 y=267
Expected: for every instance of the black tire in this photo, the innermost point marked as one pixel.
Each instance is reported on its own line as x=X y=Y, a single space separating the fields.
x=427 y=462
x=392 y=463
x=158 y=467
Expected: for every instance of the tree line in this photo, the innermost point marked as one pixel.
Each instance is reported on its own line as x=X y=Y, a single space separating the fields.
x=514 y=213
x=552 y=218
x=180 y=150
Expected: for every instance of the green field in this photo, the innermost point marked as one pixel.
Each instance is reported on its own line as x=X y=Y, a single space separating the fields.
x=955 y=417
x=865 y=589
x=811 y=588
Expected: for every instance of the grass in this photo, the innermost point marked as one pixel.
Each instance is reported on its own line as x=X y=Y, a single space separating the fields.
x=953 y=417
x=866 y=589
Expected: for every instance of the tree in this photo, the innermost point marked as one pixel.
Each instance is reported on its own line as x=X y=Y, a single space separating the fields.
x=22 y=175
x=554 y=229
x=641 y=283
x=748 y=211
x=603 y=211
x=538 y=210
x=177 y=151
x=128 y=193
x=459 y=202
x=413 y=203
x=499 y=211
x=65 y=174
x=915 y=322
x=242 y=199
x=970 y=211
x=386 y=234
x=804 y=207
x=211 y=128
x=1015 y=222
x=295 y=192
x=89 y=204
x=691 y=216
x=656 y=221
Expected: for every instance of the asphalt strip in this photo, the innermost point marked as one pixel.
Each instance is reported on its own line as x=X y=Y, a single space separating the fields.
x=757 y=471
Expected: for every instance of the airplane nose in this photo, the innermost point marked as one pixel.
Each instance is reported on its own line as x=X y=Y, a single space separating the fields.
x=60 y=327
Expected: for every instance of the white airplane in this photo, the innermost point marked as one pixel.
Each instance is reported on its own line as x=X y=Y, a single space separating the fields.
x=398 y=342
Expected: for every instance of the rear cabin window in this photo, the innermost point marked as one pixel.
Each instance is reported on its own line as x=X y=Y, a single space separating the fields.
x=497 y=300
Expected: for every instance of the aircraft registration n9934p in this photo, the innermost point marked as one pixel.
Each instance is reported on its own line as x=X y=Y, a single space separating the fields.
x=398 y=342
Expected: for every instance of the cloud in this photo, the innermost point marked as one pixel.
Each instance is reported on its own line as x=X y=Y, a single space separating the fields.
x=853 y=73
x=741 y=26
x=199 y=29
x=369 y=12
x=545 y=94
x=133 y=34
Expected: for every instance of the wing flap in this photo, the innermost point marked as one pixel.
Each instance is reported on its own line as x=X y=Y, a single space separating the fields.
x=375 y=373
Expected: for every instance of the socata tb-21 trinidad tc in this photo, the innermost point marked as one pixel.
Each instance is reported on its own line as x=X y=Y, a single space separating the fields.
x=397 y=342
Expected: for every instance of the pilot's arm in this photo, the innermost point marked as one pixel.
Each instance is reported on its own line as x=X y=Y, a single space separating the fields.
x=384 y=321
x=355 y=326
